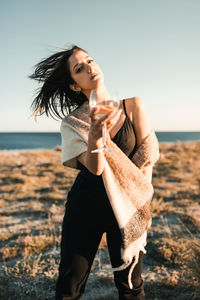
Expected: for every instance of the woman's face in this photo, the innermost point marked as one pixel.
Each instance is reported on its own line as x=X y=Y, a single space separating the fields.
x=85 y=72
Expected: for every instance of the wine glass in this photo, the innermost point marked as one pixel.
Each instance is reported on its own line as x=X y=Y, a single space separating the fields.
x=106 y=104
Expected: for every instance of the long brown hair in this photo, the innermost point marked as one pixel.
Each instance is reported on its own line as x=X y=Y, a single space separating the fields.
x=54 y=97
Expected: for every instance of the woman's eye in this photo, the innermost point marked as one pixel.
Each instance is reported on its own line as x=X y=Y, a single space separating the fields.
x=79 y=69
x=90 y=61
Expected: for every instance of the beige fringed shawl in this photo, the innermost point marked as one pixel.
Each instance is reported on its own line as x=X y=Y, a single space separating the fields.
x=128 y=190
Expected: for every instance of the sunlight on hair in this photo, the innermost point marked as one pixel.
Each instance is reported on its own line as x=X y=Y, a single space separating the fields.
x=58 y=47
x=36 y=112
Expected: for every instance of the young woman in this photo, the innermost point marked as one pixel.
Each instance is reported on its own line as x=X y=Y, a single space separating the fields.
x=68 y=77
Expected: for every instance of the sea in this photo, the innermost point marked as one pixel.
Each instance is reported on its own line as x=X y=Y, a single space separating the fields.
x=51 y=140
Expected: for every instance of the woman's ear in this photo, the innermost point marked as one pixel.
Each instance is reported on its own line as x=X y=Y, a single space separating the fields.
x=74 y=88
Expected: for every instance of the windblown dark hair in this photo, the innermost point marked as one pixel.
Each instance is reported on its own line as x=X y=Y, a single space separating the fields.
x=54 y=97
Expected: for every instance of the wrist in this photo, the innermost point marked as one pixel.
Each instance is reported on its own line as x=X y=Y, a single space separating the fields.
x=97 y=143
x=94 y=137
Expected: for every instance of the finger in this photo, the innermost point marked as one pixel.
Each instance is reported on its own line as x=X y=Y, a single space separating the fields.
x=93 y=113
x=113 y=121
x=112 y=117
x=102 y=120
x=108 y=116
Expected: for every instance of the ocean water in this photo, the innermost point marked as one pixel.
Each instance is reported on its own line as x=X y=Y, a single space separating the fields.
x=50 y=140
x=29 y=140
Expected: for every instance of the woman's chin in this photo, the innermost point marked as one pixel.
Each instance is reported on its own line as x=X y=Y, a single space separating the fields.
x=98 y=82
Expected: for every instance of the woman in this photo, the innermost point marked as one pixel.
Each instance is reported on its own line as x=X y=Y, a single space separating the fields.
x=68 y=77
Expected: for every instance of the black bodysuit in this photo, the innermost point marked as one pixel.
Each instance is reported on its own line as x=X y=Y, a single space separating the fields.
x=88 y=195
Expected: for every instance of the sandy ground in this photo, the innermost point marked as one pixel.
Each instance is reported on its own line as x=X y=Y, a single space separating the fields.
x=33 y=189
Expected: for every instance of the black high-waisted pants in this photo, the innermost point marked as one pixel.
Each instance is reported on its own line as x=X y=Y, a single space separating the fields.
x=88 y=215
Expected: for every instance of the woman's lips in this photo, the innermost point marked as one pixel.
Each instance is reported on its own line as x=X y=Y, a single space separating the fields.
x=94 y=75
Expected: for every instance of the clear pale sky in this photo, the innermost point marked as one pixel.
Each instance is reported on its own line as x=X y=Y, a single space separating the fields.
x=146 y=48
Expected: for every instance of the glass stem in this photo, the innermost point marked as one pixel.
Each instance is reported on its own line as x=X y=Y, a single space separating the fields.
x=104 y=134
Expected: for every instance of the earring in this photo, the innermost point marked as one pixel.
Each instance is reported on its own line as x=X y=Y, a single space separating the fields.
x=77 y=92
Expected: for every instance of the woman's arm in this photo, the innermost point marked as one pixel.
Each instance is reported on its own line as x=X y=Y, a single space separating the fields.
x=139 y=116
x=94 y=162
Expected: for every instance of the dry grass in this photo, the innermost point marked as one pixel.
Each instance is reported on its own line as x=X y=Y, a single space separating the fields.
x=33 y=189
x=28 y=245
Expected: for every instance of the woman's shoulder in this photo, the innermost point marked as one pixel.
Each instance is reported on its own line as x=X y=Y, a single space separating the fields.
x=139 y=116
x=134 y=105
x=135 y=102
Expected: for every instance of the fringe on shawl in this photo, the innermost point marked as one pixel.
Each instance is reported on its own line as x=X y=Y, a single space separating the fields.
x=129 y=254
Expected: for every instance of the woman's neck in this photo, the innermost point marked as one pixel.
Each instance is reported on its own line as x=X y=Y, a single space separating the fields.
x=101 y=92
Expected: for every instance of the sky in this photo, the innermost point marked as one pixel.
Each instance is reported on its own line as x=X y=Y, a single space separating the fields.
x=146 y=48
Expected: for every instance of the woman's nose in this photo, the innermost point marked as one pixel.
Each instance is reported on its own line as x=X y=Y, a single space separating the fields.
x=90 y=69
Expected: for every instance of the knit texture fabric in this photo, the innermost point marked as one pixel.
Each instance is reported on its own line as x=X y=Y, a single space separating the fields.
x=128 y=189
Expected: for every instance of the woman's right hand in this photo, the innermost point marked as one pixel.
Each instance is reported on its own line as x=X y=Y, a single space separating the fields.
x=110 y=118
